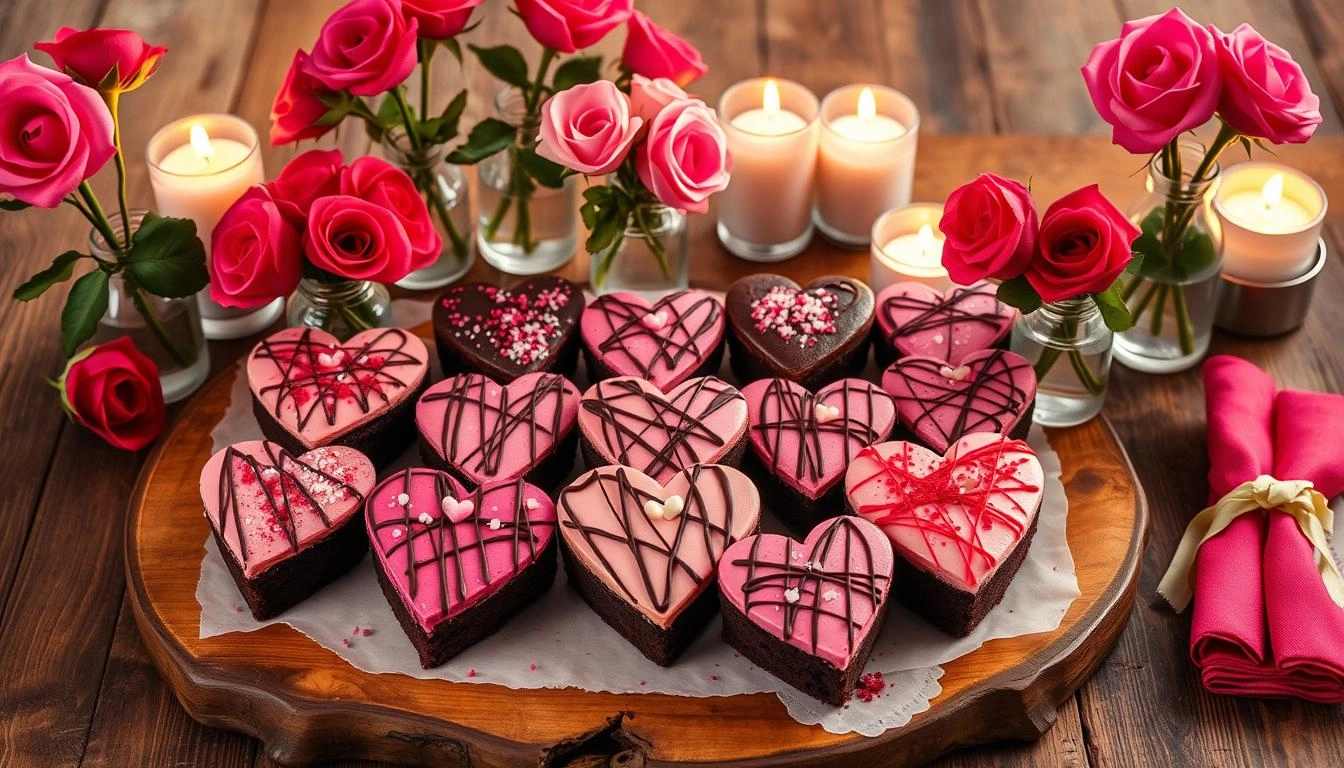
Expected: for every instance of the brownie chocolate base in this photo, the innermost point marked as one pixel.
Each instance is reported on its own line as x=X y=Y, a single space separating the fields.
x=381 y=439
x=593 y=458
x=294 y=579
x=799 y=511
x=844 y=363
x=549 y=474
x=454 y=635
x=599 y=371
x=564 y=360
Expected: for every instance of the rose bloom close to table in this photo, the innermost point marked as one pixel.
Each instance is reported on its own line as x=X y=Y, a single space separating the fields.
x=114 y=391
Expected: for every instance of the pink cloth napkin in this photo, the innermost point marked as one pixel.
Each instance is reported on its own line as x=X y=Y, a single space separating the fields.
x=1263 y=622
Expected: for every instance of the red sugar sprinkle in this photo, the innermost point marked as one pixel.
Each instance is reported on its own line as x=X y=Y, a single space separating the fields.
x=345 y=641
x=642 y=682
x=366 y=631
x=356 y=631
x=237 y=608
x=713 y=677
x=870 y=685
x=471 y=673
x=532 y=667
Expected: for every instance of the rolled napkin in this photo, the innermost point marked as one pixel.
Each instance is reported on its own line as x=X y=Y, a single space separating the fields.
x=1267 y=619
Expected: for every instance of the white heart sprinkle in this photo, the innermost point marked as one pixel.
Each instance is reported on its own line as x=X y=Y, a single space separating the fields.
x=494 y=523
x=425 y=518
x=791 y=595
x=830 y=595
x=654 y=322
x=403 y=499
x=457 y=511
x=955 y=374
x=665 y=510
x=825 y=413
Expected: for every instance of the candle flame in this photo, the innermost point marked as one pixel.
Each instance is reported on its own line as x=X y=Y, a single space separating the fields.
x=925 y=239
x=867 y=105
x=770 y=99
x=1272 y=192
x=200 y=141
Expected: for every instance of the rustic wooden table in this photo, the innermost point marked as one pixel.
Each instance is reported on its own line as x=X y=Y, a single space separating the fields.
x=998 y=83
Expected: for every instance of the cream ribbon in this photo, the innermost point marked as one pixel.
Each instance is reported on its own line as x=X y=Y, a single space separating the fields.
x=1293 y=497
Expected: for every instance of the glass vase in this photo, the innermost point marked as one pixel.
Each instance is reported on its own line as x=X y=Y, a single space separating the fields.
x=524 y=228
x=1174 y=295
x=445 y=191
x=650 y=257
x=340 y=307
x=1069 y=346
x=167 y=331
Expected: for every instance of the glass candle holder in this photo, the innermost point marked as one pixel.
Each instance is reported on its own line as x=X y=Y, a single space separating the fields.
x=1272 y=217
x=906 y=245
x=866 y=162
x=765 y=214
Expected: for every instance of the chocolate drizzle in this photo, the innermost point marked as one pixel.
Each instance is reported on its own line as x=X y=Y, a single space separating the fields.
x=987 y=400
x=682 y=335
x=944 y=312
x=467 y=400
x=787 y=409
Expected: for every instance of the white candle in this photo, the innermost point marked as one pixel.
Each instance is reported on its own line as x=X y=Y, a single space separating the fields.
x=906 y=245
x=1271 y=217
x=866 y=163
x=922 y=251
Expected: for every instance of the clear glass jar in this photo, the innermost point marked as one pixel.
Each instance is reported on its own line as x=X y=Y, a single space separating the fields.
x=340 y=307
x=650 y=258
x=524 y=228
x=167 y=331
x=445 y=191
x=1069 y=345
x=1174 y=298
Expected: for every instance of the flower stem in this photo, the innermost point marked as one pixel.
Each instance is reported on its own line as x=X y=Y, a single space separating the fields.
x=150 y=315
x=1185 y=329
x=655 y=244
x=1063 y=337
x=1159 y=307
x=425 y=49
x=425 y=182
x=407 y=116
x=98 y=218
x=113 y=104
x=1145 y=299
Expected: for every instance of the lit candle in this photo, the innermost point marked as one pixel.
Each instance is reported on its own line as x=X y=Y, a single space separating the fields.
x=866 y=163
x=906 y=245
x=765 y=214
x=1271 y=217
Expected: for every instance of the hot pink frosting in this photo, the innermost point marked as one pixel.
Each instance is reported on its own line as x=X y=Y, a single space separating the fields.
x=280 y=503
x=809 y=439
x=658 y=564
x=989 y=391
x=957 y=516
x=457 y=564
x=665 y=341
x=821 y=596
x=319 y=388
x=628 y=421
x=918 y=320
x=489 y=431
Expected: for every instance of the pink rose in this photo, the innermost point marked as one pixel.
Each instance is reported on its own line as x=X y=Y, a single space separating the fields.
x=990 y=225
x=255 y=254
x=1265 y=93
x=648 y=97
x=54 y=133
x=91 y=55
x=114 y=391
x=565 y=26
x=1085 y=243
x=1158 y=79
x=440 y=19
x=367 y=47
x=685 y=159
x=588 y=128
x=298 y=105
x=313 y=174
x=654 y=52
x=381 y=183
x=357 y=240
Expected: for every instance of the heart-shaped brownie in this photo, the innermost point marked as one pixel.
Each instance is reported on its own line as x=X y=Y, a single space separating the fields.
x=456 y=564
x=914 y=319
x=310 y=389
x=483 y=431
x=811 y=334
x=808 y=439
x=989 y=391
x=628 y=421
x=508 y=333
x=665 y=342
x=826 y=597
x=653 y=547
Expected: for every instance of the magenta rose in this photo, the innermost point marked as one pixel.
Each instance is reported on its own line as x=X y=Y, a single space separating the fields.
x=990 y=224
x=654 y=52
x=685 y=158
x=298 y=105
x=648 y=97
x=357 y=239
x=91 y=55
x=366 y=47
x=565 y=26
x=1085 y=243
x=255 y=253
x=588 y=128
x=381 y=183
x=440 y=19
x=313 y=174
x=54 y=133
x=114 y=391
x=1265 y=93
x=1158 y=79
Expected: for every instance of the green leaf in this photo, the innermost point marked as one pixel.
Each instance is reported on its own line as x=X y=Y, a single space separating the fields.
x=389 y=114
x=1019 y=293
x=455 y=47
x=504 y=62
x=577 y=71
x=60 y=270
x=443 y=128
x=83 y=307
x=1197 y=253
x=545 y=172
x=13 y=205
x=487 y=138
x=167 y=258
x=1113 y=309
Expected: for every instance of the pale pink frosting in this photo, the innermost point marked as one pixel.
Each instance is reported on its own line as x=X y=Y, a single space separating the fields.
x=989 y=391
x=821 y=596
x=511 y=523
x=665 y=341
x=957 y=516
x=320 y=389
x=918 y=320
x=658 y=564
x=262 y=490
x=491 y=432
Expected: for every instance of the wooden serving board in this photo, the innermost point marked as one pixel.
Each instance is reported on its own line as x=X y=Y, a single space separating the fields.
x=307 y=704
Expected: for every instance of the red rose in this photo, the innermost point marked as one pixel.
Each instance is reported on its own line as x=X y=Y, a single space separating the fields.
x=92 y=55
x=440 y=19
x=255 y=254
x=298 y=105
x=565 y=26
x=114 y=390
x=991 y=226
x=1265 y=93
x=357 y=239
x=380 y=182
x=1085 y=244
x=313 y=174
x=366 y=47
x=654 y=52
